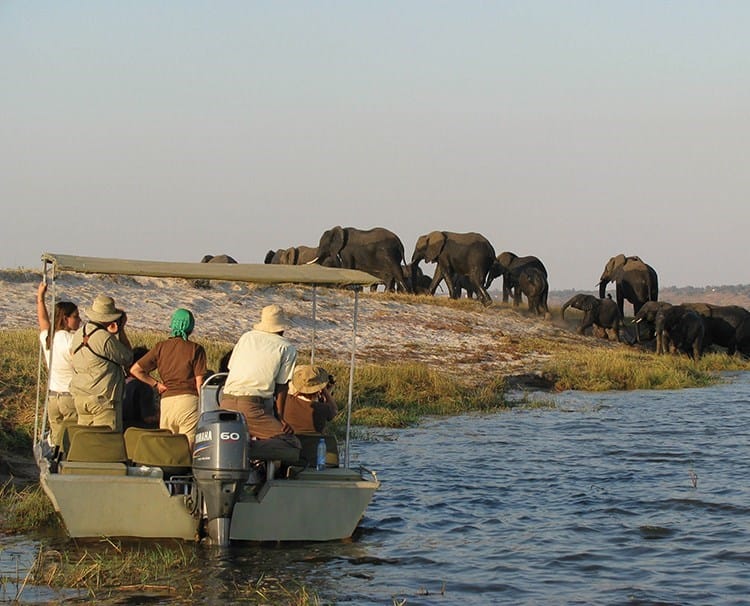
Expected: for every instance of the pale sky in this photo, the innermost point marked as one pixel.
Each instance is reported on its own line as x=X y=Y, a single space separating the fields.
x=570 y=130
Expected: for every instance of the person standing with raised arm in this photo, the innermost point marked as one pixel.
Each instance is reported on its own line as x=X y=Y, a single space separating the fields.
x=56 y=347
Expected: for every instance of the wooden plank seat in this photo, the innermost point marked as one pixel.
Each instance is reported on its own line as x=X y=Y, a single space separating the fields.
x=133 y=434
x=95 y=452
x=169 y=451
x=309 y=454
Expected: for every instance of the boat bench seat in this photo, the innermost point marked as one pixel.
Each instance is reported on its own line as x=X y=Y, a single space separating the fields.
x=90 y=468
x=133 y=434
x=96 y=446
x=273 y=449
x=309 y=454
x=70 y=429
x=169 y=451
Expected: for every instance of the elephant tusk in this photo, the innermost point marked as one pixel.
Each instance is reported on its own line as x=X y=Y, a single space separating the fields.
x=313 y=261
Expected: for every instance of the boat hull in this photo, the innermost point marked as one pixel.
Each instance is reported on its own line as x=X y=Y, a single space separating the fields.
x=313 y=506
x=119 y=506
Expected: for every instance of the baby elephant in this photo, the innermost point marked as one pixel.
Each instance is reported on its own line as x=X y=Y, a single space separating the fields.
x=602 y=313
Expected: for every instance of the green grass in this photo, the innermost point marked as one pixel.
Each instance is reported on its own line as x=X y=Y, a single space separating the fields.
x=19 y=365
x=109 y=568
x=397 y=395
x=25 y=509
x=627 y=369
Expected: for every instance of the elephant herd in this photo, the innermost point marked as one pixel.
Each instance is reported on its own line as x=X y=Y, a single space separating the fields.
x=467 y=262
x=693 y=327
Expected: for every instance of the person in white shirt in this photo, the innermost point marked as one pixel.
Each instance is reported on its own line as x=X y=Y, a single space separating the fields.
x=260 y=368
x=56 y=347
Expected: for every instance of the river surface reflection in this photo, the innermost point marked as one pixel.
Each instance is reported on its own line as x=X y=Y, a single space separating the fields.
x=603 y=498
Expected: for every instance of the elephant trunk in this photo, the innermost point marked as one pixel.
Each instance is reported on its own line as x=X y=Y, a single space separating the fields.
x=413 y=276
x=563 y=308
x=603 y=287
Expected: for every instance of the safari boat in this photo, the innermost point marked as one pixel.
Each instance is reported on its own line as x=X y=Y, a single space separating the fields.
x=149 y=484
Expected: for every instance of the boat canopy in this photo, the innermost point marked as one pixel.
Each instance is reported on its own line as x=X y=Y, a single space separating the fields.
x=259 y=273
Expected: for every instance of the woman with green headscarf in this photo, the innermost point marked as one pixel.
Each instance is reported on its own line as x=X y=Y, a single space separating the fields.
x=181 y=364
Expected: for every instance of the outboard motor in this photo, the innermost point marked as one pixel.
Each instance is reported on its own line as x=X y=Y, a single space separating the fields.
x=220 y=467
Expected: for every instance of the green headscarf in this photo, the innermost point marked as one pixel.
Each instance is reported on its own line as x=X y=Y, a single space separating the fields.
x=182 y=323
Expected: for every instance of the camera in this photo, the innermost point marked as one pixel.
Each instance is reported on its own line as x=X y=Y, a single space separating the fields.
x=331 y=380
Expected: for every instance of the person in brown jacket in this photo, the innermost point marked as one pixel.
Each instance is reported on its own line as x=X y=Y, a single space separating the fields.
x=182 y=365
x=310 y=404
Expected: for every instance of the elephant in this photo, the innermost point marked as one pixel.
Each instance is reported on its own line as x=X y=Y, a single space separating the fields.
x=296 y=255
x=212 y=259
x=634 y=280
x=722 y=323
x=468 y=254
x=217 y=259
x=377 y=251
x=274 y=256
x=460 y=282
x=533 y=283
x=601 y=313
x=683 y=329
x=742 y=337
x=417 y=282
x=648 y=313
x=509 y=265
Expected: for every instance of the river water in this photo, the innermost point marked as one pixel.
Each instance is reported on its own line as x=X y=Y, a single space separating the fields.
x=600 y=498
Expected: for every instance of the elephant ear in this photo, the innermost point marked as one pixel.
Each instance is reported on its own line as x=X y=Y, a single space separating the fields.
x=435 y=243
x=207 y=258
x=506 y=258
x=419 y=249
x=590 y=303
x=338 y=239
x=608 y=275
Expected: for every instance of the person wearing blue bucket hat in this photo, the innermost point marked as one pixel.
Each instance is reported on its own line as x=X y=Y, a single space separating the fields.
x=181 y=364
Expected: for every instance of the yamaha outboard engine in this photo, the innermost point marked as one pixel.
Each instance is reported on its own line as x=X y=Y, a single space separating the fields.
x=220 y=467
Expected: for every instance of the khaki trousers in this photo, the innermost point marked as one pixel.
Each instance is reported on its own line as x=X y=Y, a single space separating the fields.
x=179 y=414
x=99 y=411
x=60 y=408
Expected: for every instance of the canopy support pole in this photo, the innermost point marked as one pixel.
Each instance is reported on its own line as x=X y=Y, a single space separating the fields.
x=39 y=430
x=315 y=322
x=351 y=377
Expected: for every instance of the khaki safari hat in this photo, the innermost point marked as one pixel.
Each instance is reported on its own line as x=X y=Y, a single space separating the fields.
x=272 y=319
x=103 y=310
x=309 y=379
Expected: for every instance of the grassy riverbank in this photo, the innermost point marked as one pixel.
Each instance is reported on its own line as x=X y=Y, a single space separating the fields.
x=398 y=393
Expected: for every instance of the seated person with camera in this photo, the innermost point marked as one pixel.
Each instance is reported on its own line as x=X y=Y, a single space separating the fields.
x=309 y=403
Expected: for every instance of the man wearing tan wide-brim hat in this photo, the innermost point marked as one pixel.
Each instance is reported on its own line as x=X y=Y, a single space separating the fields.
x=310 y=404
x=100 y=352
x=260 y=368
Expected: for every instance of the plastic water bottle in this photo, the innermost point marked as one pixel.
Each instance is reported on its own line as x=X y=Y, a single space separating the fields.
x=320 y=463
